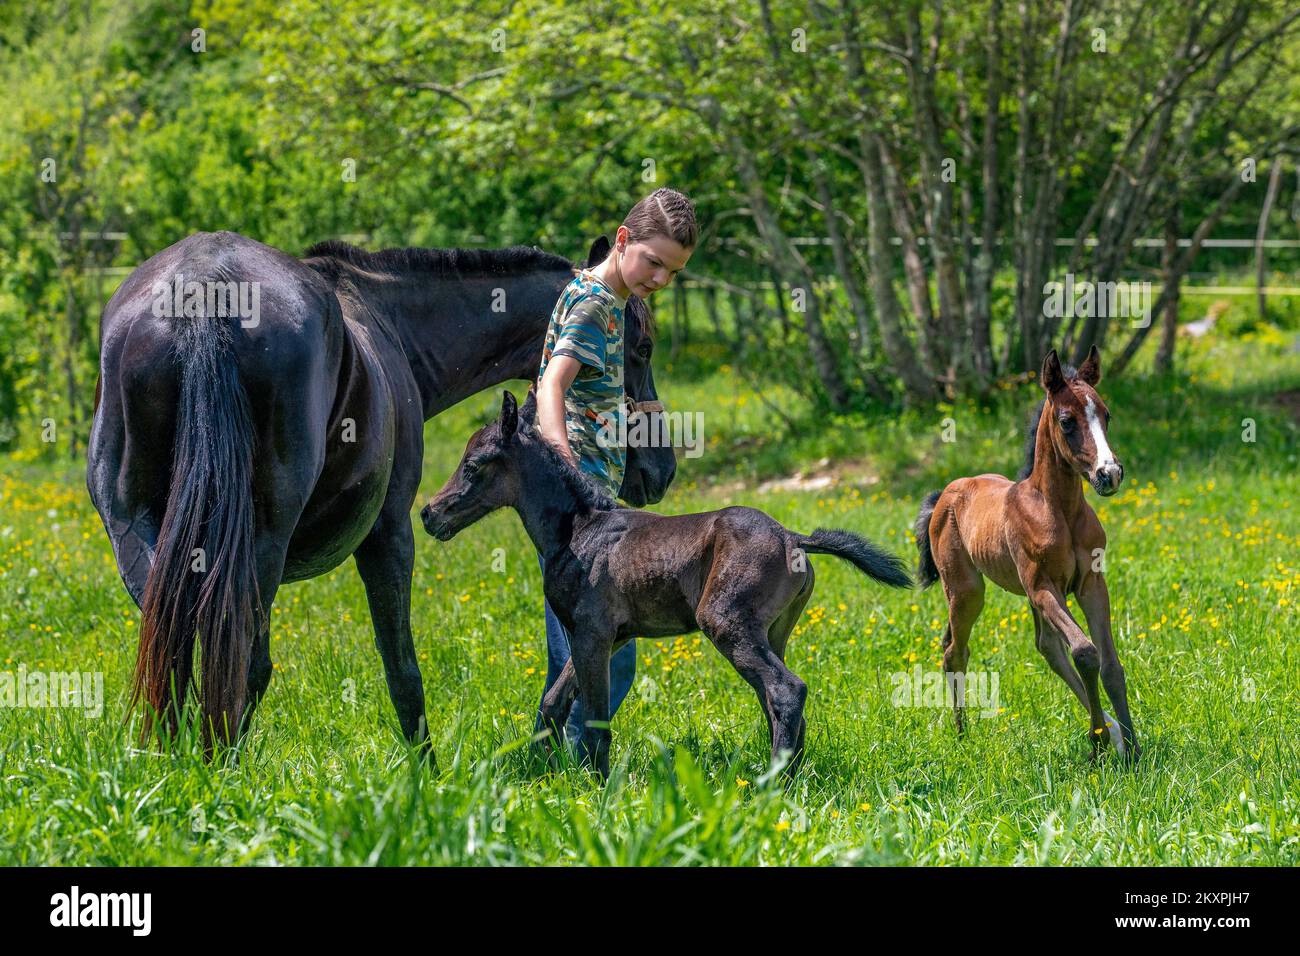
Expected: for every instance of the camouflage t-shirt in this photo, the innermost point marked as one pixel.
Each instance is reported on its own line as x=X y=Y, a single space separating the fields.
x=587 y=323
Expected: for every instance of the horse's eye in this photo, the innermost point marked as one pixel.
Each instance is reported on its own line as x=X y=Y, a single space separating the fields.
x=1067 y=423
x=469 y=471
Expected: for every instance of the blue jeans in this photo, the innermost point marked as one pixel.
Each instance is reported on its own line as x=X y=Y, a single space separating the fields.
x=622 y=668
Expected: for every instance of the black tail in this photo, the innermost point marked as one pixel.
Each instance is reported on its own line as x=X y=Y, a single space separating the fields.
x=871 y=559
x=203 y=579
x=926 y=571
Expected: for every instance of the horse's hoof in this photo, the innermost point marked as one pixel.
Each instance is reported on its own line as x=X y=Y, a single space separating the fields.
x=1115 y=734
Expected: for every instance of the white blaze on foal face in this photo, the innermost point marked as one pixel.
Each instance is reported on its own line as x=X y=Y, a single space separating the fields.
x=1107 y=472
x=1104 y=455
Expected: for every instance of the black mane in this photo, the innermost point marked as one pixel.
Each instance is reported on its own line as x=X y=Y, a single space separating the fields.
x=591 y=496
x=1031 y=433
x=514 y=260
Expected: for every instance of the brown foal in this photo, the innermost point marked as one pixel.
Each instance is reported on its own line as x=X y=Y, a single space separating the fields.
x=1039 y=537
x=613 y=574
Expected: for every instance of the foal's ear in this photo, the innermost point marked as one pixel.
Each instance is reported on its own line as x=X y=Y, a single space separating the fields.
x=509 y=414
x=1090 y=370
x=599 y=251
x=1052 y=377
x=528 y=411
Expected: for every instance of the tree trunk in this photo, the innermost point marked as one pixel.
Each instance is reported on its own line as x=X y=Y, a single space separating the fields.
x=1172 y=282
x=897 y=348
x=1274 y=179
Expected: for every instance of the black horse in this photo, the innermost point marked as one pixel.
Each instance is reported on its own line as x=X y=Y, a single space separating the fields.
x=614 y=574
x=236 y=449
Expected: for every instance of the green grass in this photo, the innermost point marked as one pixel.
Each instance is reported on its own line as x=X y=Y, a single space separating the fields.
x=1204 y=573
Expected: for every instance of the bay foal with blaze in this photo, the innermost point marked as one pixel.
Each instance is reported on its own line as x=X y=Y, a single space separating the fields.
x=1039 y=537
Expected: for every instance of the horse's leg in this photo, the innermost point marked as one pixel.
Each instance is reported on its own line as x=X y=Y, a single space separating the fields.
x=558 y=701
x=781 y=694
x=1049 y=602
x=1051 y=644
x=590 y=651
x=778 y=634
x=133 y=541
x=386 y=560
x=271 y=553
x=964 y=586
x=1094 y=600
x=259 y=676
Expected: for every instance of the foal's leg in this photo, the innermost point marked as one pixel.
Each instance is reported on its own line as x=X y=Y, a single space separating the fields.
x=557 y=703
x=553 y=714
x=964 y=586
x=1094 y=600
x=590 y=653
x=780 y=692
x=778 y=634
x=1051 y=644
x=1049 y=602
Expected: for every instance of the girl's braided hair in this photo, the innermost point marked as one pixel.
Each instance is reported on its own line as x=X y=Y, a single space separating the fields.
x=665 y=212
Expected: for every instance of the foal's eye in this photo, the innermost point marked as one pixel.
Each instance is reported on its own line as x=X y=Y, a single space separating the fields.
x=1067 y=423
x=469 y=471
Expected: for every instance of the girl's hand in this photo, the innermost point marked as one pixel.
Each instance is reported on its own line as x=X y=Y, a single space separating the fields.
x=561 y=370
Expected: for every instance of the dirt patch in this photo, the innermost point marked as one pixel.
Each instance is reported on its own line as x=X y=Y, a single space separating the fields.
x=820 y=477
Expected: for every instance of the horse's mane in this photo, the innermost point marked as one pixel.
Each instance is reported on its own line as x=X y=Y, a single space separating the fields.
x=639 y=310
x=443 y=262
x=589 y=494
x=1031 y=433
x=513 y=260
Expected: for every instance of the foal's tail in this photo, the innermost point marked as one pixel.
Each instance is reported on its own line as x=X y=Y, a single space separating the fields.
x=203 y=579
x=926 y=570
x=871 y=559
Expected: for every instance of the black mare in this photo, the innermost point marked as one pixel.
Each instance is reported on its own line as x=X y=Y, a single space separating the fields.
x=234 y=450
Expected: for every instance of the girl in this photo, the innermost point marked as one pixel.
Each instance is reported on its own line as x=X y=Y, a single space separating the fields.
x=580 y=381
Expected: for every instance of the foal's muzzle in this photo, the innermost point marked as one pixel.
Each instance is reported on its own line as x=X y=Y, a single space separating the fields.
x=1107 y=479
x=436 y=524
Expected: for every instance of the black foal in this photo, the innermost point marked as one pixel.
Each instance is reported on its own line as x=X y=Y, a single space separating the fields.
x=614 y=574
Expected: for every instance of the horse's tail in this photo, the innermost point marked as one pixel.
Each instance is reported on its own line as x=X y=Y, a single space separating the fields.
x=871 y=559
x=926 y=570
x=203 y=579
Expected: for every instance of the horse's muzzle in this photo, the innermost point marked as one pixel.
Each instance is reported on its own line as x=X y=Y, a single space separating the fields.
x=435 y=524
x=1108 y=479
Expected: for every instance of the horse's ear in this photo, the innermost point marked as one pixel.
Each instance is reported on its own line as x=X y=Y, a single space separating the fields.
x=1052 y=377
x=509 y=414
x=599 y=251
x=528 y=411
x=1090 y=370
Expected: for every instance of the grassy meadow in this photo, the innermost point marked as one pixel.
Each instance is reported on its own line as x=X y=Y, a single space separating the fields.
x=1204 y=574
